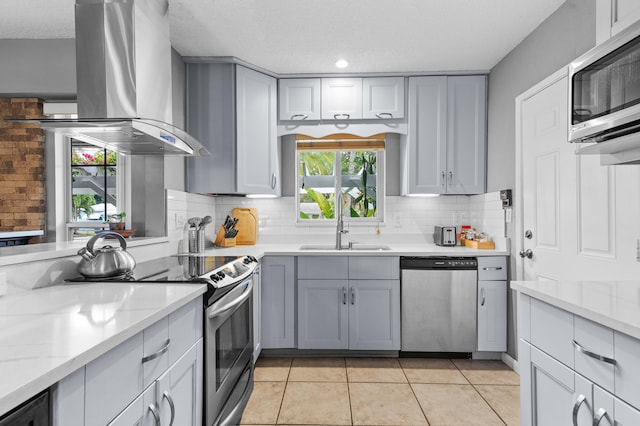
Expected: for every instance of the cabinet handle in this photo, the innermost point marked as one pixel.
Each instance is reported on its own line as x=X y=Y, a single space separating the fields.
x=162 y=350
x=593 y=355
x=154 y=412
x=167 y=396
x=384 y=115
x=599 y=416
x=493 y=268
x=344 y=295
x=576 y=407
x=274 y=180
x=341 y=116
x=353 y=297
x=450 y=176
x=482 y=293
x=300 y=116
x=443 y=178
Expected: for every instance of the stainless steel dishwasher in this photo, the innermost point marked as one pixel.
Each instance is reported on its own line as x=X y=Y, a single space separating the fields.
x=438 y=304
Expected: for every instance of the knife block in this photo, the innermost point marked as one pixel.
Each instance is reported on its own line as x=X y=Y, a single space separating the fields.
x=221 y=241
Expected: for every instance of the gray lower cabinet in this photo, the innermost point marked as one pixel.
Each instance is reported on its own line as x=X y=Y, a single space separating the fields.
x=278 y=302
x=337 y=310
x=157 y=373
x=492 y=304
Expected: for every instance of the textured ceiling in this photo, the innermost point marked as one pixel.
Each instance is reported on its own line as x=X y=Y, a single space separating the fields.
x=308 y=36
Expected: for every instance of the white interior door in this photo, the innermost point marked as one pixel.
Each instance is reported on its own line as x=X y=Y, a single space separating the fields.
x=576 y=219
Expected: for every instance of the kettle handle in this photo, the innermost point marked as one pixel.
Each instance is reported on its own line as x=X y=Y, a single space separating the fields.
x=92 y=241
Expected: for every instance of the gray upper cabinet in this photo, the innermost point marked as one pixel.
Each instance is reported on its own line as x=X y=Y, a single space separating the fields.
x=445 y=148
x=383 y=98
x=232 y=111
x=341 y=98
x=299 y=99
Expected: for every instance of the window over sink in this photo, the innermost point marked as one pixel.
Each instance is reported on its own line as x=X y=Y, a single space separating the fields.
x=336 y=166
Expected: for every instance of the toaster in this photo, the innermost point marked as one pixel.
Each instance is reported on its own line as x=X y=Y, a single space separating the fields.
x=444 y=235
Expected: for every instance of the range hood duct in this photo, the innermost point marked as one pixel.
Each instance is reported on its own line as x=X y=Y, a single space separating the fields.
x=123 y=63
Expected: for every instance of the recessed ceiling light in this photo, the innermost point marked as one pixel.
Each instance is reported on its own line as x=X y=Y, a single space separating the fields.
x=342 y=63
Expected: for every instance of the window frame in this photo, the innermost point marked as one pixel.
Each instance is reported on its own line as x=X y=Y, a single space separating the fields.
x=380 y=189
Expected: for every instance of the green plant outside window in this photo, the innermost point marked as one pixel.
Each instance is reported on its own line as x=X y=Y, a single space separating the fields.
x=358 y=183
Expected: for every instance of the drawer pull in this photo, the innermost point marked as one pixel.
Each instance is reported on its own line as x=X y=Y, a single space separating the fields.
x=599 y=416
x=154 y=411
x=299 y=116
x=166 y=395
x=576 y=407
x=162 y=350
x=593 y=355
x=384 y=115
x=341 y=116
x=493 y=268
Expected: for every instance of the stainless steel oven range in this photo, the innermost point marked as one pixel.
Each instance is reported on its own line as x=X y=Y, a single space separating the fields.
x=228 y=324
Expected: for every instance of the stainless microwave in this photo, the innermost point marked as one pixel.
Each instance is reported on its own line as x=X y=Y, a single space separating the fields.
x=604 y=90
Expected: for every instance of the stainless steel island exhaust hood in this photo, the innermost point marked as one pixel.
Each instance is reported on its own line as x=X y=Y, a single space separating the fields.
x=123 y=63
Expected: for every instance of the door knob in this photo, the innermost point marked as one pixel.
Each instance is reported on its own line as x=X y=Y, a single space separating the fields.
x=526 y=253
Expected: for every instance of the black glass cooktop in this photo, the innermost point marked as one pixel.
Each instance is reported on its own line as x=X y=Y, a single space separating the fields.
x=172 y=269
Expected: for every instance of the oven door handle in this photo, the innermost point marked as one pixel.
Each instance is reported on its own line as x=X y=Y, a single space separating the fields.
x=246 y=293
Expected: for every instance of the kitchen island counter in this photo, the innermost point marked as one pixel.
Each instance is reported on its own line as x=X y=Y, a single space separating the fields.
x=48 y=333
x=615 y=304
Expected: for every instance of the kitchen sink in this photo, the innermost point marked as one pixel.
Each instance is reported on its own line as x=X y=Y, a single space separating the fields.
x=363 y=247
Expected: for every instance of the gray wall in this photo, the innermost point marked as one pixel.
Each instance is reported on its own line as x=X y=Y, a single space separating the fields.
x=38 y=68
x=565 y=35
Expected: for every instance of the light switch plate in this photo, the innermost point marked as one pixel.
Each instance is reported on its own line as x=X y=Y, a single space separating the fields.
x=3 y=283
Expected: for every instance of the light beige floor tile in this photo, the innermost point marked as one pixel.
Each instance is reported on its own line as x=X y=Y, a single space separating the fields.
x=454 y=405
x=315 y=403
x=272 y=369
x=264 y=404
x=423 y=370
x=384 y=404
x=318 y=370
x=505 y=400
x=381 y=370
x=482 y=372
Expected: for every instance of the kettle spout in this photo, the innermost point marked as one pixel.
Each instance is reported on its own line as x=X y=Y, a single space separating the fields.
x=86 y=254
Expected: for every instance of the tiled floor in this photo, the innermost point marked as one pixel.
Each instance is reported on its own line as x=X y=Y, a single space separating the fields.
x=383 y=391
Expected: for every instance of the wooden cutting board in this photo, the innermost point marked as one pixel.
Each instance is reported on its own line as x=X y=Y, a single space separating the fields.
x=247 y=225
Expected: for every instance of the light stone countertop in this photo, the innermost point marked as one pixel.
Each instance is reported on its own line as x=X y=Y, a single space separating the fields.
x=48 y=333
x=396 y=249
x=614 y=304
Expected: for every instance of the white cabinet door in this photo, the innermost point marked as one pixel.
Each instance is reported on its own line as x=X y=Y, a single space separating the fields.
x=374 y=314
x=323 y=311
x=179 y=390
x=113 y=380
x=278 y=302
x=383 y=97
x=257 y=140
x=257 y=313
x=143 y=411
x=299 y=99
x=466 y=134
x=341 y=98
x=492 y=316
x=548 y=390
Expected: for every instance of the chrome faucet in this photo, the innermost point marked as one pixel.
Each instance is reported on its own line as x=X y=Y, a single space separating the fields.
x=340 y=223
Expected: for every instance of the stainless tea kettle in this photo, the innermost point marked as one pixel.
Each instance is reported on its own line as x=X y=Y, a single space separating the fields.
x=106 y=261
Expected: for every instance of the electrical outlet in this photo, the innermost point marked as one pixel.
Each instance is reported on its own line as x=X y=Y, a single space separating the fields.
x=638 y=251
x=508 y=215
x=3 y=283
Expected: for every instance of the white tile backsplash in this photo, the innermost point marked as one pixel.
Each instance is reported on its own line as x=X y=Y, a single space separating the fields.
x=407 y=219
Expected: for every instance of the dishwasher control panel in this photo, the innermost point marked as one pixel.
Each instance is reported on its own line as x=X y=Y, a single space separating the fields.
x=439 y=263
